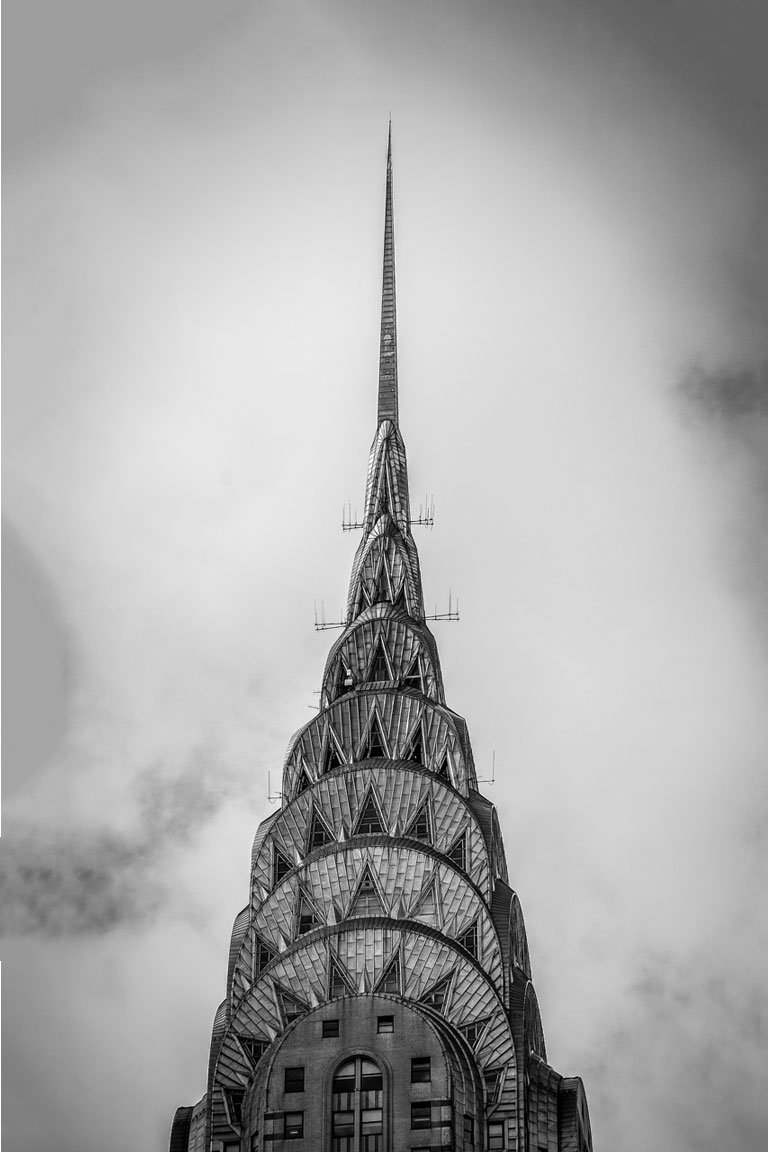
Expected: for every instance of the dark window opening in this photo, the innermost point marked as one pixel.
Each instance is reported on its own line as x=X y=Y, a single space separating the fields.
x=419 y=826
x=333 y=759
x=294 y=1080
x=391 y=981
x=412 y=678
x=415 y=751
x=281 y=865
x=421 y=1115
x=474 y=1031
x=469 y=1133
x=369 y=823
x=468 y=939
x=375 y=743
x=234 y=1103
x=344 y=679
x=379 y=666
x=421 y=1070
x=319 y=835
x=292 y=1007
x=308 y=918
x=293 y=1127
x=495 y=1136
x=437 y=994
x=330 y=1029
x=385 y=1024
x=492 y=1079
x=338 y=986
x=457 y=853
x=367 y=902
x=264 y=955
x=254 y=1049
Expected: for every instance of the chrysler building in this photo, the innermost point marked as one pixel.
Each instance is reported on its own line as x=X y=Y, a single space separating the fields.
x=379 y=995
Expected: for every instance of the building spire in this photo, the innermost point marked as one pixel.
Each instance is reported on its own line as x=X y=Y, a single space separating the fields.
x=386 y=565
x=388 y=347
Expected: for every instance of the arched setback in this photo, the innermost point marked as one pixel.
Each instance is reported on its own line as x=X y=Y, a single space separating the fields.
x=347 y=722
x=298 y=981
x=422 y=1079
x=405 y=639
x=340 y=796
x=403 y=876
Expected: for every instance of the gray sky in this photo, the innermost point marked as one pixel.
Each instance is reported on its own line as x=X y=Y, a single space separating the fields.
x=193 y=218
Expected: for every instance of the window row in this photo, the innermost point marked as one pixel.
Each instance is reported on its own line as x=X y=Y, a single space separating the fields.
x=370 y=822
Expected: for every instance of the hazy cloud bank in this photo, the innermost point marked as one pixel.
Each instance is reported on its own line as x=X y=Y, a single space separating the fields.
x=61 y=879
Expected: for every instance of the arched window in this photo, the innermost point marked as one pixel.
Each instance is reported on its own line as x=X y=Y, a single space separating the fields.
x=357 y=1107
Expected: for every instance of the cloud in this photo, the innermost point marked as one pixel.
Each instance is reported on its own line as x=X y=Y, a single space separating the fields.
x=59 y=879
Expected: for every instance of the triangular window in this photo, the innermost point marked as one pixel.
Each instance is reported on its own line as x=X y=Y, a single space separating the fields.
x=426 y=907
x=307 y=915
x=263 y=954
x=319 y=833
x=281 y=865
x=400 y=603
x=468 y=939
x=303 y=783
x=343 y=679
x=419 y=828
x=254 y=1049
x=474 y=1031
x=437 y=995
x=369 y=822
x=333 y=757
x=443 y=769
x=458 y=851
x=415 y=749
x=379 y=665
x=492 y=1080
x=367 y=901
x=233 y=1103
x=391 y=980
x=374 y=745
x=383 y=585
x=290 y=1006
x=412 y=678
x=339 y=983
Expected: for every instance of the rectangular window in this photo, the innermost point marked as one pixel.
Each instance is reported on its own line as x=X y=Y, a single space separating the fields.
x=421 y=1115
x=386 y=1024
x=495 y=1136
x=330 y=1028
x=293 y=1128
x=343 y=1123
x=469 y=1133
x=370 y=1121
x=421 y=1070
x=294 y=1080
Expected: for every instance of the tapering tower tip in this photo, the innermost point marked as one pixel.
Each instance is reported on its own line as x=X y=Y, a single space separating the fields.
x=388 y=345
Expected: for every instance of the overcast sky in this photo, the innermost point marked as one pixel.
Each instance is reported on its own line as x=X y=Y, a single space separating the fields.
x=193 y=227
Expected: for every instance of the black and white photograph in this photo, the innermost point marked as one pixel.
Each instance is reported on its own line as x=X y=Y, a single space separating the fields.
x=385 y=576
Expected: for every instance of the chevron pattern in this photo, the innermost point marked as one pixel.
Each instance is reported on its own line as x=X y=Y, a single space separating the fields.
x=382 y=881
